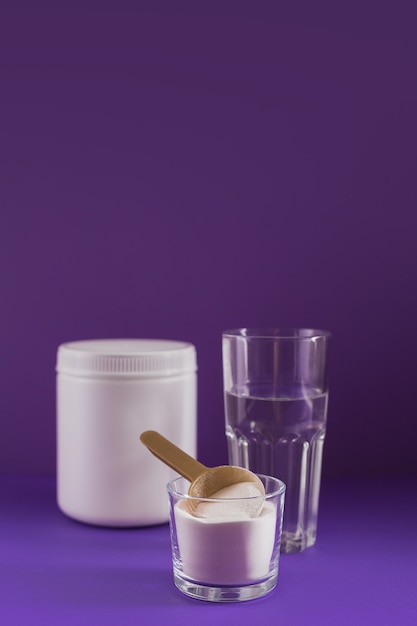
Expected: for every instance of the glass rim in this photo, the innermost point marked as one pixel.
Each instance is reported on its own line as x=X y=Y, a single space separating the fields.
x=279 y=490
x=277 y=332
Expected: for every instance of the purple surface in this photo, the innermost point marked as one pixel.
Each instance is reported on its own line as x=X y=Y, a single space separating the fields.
x=178 y=172
x=53 y=570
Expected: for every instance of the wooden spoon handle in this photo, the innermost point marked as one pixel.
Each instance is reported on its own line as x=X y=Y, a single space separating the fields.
x=172 y=456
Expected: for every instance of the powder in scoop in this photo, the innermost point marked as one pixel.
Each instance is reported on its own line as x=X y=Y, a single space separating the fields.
x=242 y=500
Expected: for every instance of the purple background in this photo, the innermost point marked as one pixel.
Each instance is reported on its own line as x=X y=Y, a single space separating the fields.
x=178 y=172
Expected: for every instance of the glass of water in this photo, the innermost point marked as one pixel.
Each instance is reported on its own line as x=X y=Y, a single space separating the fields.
x=276 y=395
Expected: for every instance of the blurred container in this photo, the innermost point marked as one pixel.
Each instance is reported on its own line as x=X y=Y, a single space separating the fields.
x=108 y=392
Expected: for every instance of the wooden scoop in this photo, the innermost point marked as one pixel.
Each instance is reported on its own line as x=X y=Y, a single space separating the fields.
x=205 y=481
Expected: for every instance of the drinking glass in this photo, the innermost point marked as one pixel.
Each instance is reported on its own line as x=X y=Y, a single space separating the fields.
x=221 y=553
x=276 y=396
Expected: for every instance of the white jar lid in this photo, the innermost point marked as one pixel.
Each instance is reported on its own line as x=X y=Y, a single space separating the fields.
x=126 y=357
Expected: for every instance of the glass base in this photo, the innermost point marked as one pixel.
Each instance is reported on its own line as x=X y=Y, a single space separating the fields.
x=291 y=543
x=225 y=593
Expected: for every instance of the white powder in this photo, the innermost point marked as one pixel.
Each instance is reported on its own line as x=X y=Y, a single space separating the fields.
x=226 y=544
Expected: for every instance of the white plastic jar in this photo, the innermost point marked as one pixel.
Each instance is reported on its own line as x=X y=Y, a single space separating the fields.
x=108 y=392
